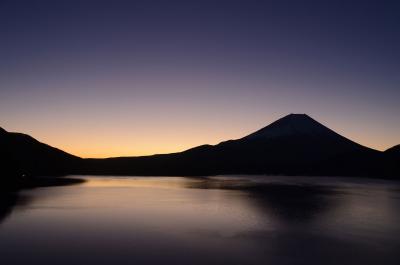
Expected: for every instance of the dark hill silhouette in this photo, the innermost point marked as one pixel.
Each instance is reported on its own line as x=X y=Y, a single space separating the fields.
x=393 y=158
x=294 y=145
x=22 y=155
x=394 y=151
x=293 y=124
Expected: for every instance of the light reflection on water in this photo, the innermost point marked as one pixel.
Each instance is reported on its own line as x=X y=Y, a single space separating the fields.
x=214 y=220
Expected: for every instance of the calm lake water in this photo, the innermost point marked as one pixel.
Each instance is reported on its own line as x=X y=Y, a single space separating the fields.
x=217 y=220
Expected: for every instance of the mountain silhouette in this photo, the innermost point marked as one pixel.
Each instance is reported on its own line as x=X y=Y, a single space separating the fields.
x=393 y=158
x=293 y=124
x=21 y=155
x=293 y=145
x=394 y=151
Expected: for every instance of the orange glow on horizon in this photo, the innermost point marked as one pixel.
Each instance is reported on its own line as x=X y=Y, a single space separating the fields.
x=116 y=138
x=120 y=145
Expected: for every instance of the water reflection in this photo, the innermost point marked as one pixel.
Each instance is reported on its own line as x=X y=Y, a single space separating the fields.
x=215 y=220
x=8 y=200
x=354 y=223
x=293 y=203
x=11 y=199
x=290 y=203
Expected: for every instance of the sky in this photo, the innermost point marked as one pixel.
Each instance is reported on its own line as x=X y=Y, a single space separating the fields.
x=128 y=78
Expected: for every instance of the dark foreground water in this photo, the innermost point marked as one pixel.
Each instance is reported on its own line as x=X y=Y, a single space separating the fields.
x=219 y=220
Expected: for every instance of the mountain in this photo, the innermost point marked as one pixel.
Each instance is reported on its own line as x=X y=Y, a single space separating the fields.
x=20 y=154
x=290 y=125
x=393 y=151
x=293 y=145
x=392 y=158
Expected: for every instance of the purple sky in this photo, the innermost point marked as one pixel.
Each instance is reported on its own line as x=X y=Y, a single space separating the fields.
x=110 y=78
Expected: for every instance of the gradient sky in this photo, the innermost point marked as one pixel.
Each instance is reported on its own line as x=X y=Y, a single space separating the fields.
x=119 y=78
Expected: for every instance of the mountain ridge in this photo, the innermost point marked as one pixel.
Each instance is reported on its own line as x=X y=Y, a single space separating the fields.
x=299 y=152
x=290 y=124
x=23 y=155
x=296 y=144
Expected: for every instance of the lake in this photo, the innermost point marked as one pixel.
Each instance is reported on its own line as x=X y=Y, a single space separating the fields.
x=215 y=220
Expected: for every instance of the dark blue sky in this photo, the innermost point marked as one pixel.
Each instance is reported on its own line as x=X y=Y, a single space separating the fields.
x=161 y=76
